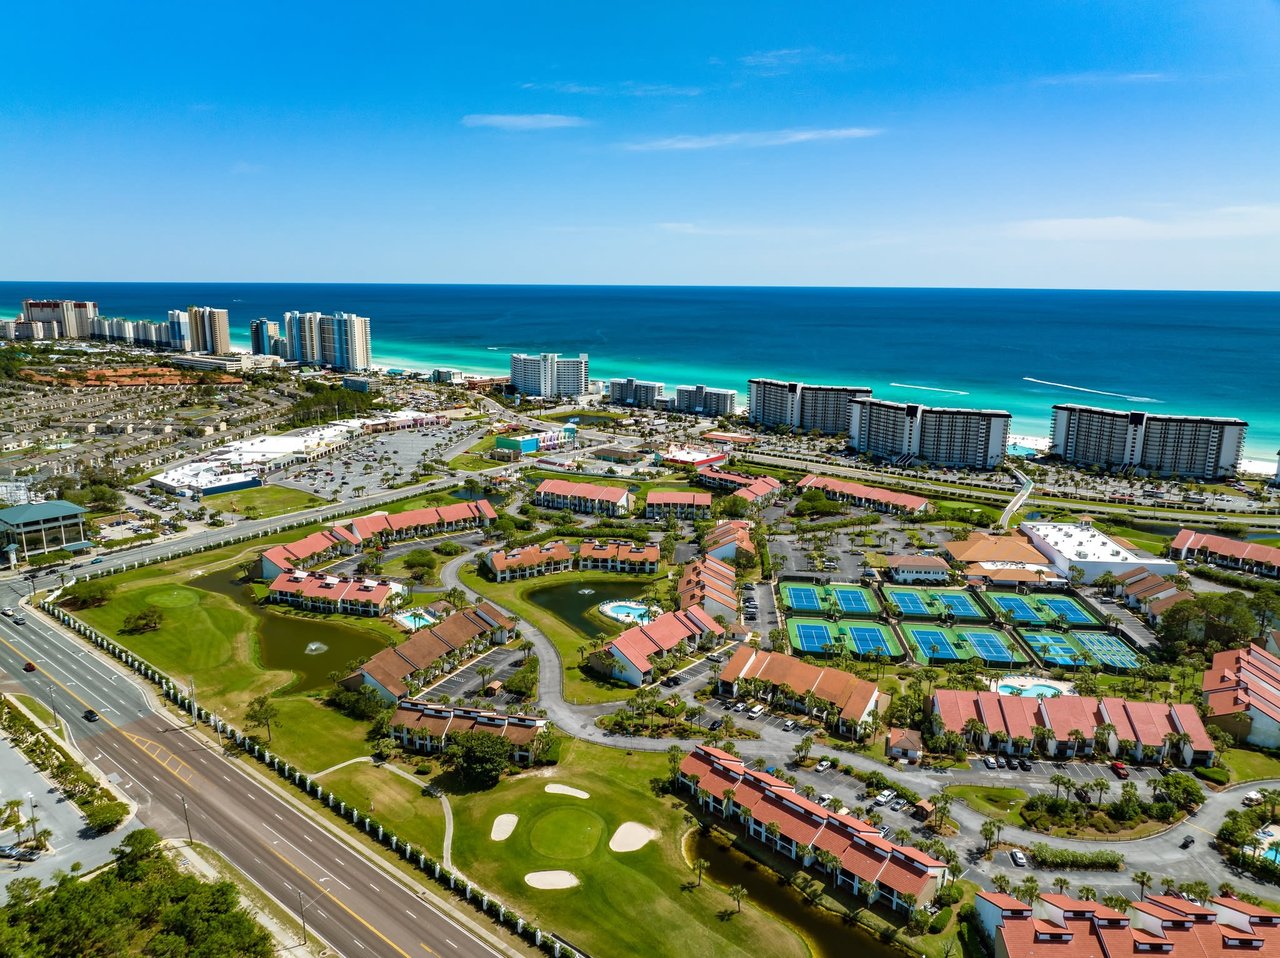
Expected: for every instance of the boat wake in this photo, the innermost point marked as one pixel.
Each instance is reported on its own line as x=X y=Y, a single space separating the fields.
x=1096 y=392
x=932 y=389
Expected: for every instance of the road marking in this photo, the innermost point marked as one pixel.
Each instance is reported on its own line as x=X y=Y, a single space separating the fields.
x=278 y=817
x=357 y=941
x=449 y=943
x=374 y=887
x=225 y=779
x=281 y=838
x=429 y=951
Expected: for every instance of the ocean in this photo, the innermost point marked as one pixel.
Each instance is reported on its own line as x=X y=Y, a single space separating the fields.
x=1212 y=353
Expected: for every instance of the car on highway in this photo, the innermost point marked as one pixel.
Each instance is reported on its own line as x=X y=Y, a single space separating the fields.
x=822 y=766
x=6 y=611
x=91 y=716
x=29 y=667
x=19 y=620
x=1120 y=769
x=97 y=561
x=1018 y=858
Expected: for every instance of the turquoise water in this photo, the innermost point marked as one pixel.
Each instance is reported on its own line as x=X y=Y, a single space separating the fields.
x=414 y=619
x=628 y=612
x=1030 y=691
x=1019 y=350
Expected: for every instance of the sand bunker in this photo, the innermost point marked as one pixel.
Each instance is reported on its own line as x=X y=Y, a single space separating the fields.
x=503 y=826
x=631 y=837
x=552 y=879
x=557 y=789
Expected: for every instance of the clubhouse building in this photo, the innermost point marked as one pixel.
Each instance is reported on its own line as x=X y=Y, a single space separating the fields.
x=40 y=527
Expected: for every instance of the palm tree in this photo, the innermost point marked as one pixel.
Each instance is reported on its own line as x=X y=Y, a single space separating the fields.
x=1061 y=885
x=1143 y=881
x=1029 y=889
x=901 y=836
x=1002 y=883
x=1168 y=885
x=1102 y=785
x=1059 y=782
x=773 y=830
x=802 y=747
x=737 y=893
x=988 y=831
x=699 y=866
x=1087 y=893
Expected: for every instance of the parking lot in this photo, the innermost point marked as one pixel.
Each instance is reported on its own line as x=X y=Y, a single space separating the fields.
x=466 y=683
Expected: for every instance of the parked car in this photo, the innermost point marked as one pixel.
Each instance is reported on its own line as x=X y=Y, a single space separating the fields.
x=714 y=657
x=1000 y=762
x=989 y=761
x=715 y=725
x=1018 y=858
x=740 y=707
x=1120 y=769
x=885 y=797
x=897 y=805
x=8 y=851
x=825 y=799
x=822 y=766
x=1024 y=764
x=756 y=712
x=788 y=725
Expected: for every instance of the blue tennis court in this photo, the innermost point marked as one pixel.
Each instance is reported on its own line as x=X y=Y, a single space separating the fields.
x=1018 y=607
x=803 y=598
x=813 y=637
x=1107 y=649
x=868 y=640
x=934 y=643
x=988 y=646
x=960 y=605
x=1053 y=649
x=909 y=602
x=1068 y=610
x=851 y=601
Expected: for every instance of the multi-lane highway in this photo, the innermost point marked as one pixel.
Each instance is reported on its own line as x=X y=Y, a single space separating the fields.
x=357 y=904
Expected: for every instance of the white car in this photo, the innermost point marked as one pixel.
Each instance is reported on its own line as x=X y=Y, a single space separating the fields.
x=822 y=766
x=1018 y=858
x=6 y=611
x=885 y=797
x=825 y=799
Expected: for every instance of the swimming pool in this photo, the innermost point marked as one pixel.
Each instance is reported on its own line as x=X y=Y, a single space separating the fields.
x=1028 y=691
x=414 y=619
x=632 y=613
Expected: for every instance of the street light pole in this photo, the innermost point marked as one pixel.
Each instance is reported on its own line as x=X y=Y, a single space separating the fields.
x=34 y=820
x=302 y=908
x=53 y=703
x=187 y=817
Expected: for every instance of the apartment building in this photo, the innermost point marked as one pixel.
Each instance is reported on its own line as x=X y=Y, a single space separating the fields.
x=426 y=727
x=346 y=595
x=265 y=338
x=210 y=329
x=704 y=401
x=1191 y=447
x=68 y=318
x=637 y=393
x=528 y=562
x=908 y=432
x=849 y=699
x=869 y=497
x=629 y=657
x=1242 y=690
x=1228 y=553
x=772 y=402
x=682 y=505
x=630 y=558
x=548 y=376
x=341 y=341
x=582 y=497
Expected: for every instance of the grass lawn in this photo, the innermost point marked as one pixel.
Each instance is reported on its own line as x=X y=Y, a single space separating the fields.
x=627 y=903
x=268 y=501
x=37 y=708
x=313 y=736
x=1001 y=804
x=1250 y=766
x=675 y=482
x=417 y=818
x=469 y=463
x=580 y=685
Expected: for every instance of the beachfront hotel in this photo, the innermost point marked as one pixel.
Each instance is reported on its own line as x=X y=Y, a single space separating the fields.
x=548 y=376
x=65 y=318
x=637 y=393
x=704 y=401
x=908 y=432
x=265 y=338
x=1190 y=447
x=772 y=402
x=340 y=341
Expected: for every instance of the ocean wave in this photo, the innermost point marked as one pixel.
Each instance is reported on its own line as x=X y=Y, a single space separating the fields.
x=1096 y=392
x=932 y=389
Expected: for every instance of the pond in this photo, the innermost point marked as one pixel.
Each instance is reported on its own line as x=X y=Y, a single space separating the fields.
x=828 y=934
x=310 y=648
x=570 y=601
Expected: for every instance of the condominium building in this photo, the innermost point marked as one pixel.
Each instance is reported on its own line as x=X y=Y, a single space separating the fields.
x=904 y=432
x=341 y=341
x=69 y=317
x=704 y=401
x=825 y=409
x=1192 y=447
x=210 y=330
x=179 y=331
x=548 y=376
x=265 y=338
x=638 y=393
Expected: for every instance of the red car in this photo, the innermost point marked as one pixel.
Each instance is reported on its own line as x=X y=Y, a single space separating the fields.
x=29 y=667
x=1120 y=769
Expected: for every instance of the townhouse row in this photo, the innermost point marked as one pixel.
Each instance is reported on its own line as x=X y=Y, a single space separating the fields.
x=427 y=728
x=548 y=558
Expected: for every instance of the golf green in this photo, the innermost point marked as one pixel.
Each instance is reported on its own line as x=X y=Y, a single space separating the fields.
x=173 y=597
x=566 y=833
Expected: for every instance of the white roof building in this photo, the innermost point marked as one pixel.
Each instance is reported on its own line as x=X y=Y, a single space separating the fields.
x=1067 y=544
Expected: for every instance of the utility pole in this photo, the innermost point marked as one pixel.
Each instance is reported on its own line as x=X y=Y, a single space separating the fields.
x=193 y=701
x=53 y=703
x=34 y=820
x=187 y=817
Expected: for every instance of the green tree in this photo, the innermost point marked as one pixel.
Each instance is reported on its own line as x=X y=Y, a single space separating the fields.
x=262 y=711
x=479 y=758
x=737 y=893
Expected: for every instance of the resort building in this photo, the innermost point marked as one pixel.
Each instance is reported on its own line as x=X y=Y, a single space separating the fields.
x=1228 y=553
x=548 y=376
x=691 y=457
x=535 y=443
x=637 y=393
x=850 y=698
x=682 y=505
x=1005 y=561
x=906 y=744
x=582 y=497
x=1139 y=587
x=628 y=657
x=728 y=536
x=341 y=341
x=1190 y=447
x=346 y=595
x=265 y=338
x=786 y=822
x=904 y=433
x=712 y=585
x=1242 y=690
x=919 y=570
x=63 y=318
x=868 y=497
x=630 y=558
x=704 y=401
x=824 y=409
x=755 y=489
x=210 y=330
x=425 y=727
x=1068 y=545
x=41 y=527
x=428 y=652
x=529 y=561
x=1056 y=926
x=1143 y=732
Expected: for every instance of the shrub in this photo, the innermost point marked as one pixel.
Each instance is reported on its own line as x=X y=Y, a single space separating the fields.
x=449 y=548
x=948 y=896
x=1059 y=858
x=940 y=921
x=1218 y=776
x=106 y=816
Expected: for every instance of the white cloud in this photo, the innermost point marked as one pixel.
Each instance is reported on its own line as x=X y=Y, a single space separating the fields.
x=711 y=141
x=1098 y=78
x=1224 y=223
x=522 y=121
x=776 y=62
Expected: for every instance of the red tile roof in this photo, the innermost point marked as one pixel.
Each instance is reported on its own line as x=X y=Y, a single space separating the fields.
x=851 y=696
x=697 y=499
x=663 y=634
x=317 y=585
x=581 y=490
x=530 y=556
x=855 y=490
x=1188 y=540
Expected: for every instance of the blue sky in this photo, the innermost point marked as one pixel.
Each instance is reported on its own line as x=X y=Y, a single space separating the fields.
x=1062 y=144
